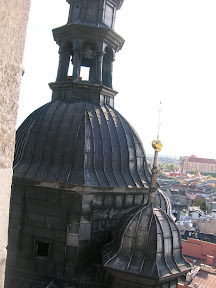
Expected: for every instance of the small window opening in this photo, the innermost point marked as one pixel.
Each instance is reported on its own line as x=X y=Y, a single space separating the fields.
x=84 y=73
x=42 y=249
x=87 y=71
x=70 y=69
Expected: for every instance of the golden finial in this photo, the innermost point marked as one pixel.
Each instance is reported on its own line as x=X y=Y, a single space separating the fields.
x=157 y=145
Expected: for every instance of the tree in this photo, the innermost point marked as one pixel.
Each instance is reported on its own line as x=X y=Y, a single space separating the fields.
x=201 y=203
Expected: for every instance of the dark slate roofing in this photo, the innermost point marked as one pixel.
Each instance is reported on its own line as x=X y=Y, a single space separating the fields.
x=147 y=242
x=55 y=284
x=82 y=144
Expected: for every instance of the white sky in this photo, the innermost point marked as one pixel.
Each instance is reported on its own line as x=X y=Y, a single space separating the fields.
x=168 y=56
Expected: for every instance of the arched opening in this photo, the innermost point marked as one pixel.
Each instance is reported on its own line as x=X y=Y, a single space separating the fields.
x=107 y=67
x=65 y=62
x=88 y=63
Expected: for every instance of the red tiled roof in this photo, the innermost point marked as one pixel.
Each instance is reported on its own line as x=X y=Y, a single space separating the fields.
x=201 y=160
x=204 y=279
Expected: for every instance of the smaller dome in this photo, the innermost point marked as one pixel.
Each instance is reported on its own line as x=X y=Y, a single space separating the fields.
x=147 y=243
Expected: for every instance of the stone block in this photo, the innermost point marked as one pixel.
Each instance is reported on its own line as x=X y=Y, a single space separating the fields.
x=22 y=263
x=98 y=201
x=44 y=233
x=76 y=204
x=36 y=220
x=45 y=208
x=53 y=195
x=65 y=198
x=40 y=265
x=18 y=194
x=28 y=230
x=60 y=236
x=119 y=201
x=58 y=258
x=87 y=203
x=55 y=223
x=14 y=237
x=59 y=247
x=42 y=194
x=72 y=240
x=30 y=205
x=16 y=216
x=71 y=256
x=31 y=192
x=85 y=230
x=108 y=201
x=60 y=211
x=49 y=268
x=129 y=200
x=26 y=248
x=12 y=257
x=138 y=199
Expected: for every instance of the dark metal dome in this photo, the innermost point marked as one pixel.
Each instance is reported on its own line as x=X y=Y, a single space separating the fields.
x=147 y=243
x=80 y=143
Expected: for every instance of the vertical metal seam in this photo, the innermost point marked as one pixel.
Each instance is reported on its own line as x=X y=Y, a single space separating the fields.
x=128 y=153
x=22 y=134
x=119 y=145
x=147 y=238
x=103 y=106
x=162 y=236
x=145 y=168
x=75 y=143
x=93 y=142
x=67 y=136
x=101 y=134
x=38 y=130
x=134 y=239
x=54 y=145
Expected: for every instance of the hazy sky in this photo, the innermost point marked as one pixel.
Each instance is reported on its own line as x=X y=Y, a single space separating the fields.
x=168 y=56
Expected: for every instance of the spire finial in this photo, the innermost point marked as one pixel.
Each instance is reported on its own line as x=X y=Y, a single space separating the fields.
x=157 y=145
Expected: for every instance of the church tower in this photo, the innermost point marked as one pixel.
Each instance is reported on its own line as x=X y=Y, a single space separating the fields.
x=79 y=166
x=87 y=43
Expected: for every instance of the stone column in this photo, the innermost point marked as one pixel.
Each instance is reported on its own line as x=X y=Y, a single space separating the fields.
x=14 y=19
x=99 y=68
x=64 y=61
x=76 y=65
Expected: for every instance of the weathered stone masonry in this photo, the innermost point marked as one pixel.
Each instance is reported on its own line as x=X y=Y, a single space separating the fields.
x=13 y=19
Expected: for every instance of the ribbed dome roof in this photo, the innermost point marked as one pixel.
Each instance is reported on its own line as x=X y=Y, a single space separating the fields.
x=80 y=143
x=147 y=242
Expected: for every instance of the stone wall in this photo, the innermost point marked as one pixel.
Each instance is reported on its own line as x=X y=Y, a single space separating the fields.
x=73 y=225
x=13 y=19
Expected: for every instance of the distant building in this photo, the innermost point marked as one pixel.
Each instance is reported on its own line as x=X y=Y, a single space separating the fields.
x=211 y=203
x=196 y=164
x=202 y=255
x=195 y=212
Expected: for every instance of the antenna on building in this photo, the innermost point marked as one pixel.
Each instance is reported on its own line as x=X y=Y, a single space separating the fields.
x=159 y=120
